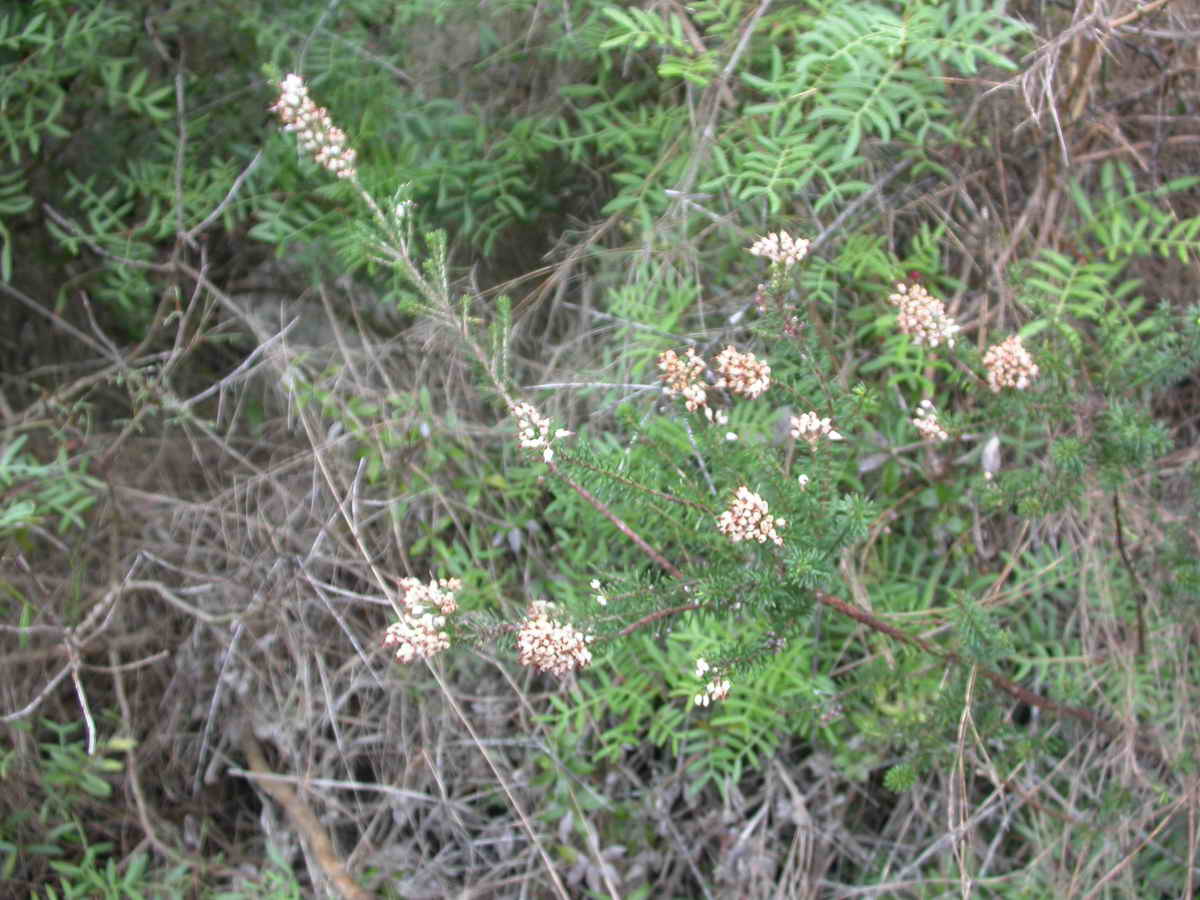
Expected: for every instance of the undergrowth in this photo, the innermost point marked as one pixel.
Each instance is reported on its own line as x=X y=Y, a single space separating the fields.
x=808 y=389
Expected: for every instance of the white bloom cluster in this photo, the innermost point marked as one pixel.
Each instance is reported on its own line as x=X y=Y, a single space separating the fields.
x=923 y=317
x=748 y=519
x=716 y=689
x=314 y=129
x=550 y=646
x=926 y=422
x=439 y=593
x=742 y=373
x=419 y=631
x=533 y=430
x=781 y=248
x=811 y=427
x=681 y=376
x=1010 y=365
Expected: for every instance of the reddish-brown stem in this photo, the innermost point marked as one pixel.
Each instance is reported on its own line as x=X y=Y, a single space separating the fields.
x=663 y=563
x=1012 y=689
x=1109 y=727
x=655 y=616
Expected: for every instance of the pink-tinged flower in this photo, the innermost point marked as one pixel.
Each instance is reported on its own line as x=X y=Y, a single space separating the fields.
x=550 y=646
x=682 y=376
x=1009 y=365
x=742 y=374
x=812 y=428
x=315 y=131
x=715 y=690
x=926 y=422
x=923 y=317
x=748 y=519
x=533 y=430
x=419 y=632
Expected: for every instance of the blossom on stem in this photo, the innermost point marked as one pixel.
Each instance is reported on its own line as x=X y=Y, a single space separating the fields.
x=550 y=646
x=811 y=428
x=742 y=374
x=781 y=247
x=533 y=429
x=748 y=519
x=599 y=596
x=419 y=630
x=1009 y=364
x=923 y=317
x=314 y=129
x=417 y=633
x=926 y=422
x=439 y=593
x=681 y=376
x=716 y=689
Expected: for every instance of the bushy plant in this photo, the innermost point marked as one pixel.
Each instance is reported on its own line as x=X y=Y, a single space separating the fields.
x=758 y=497
x=820 y=473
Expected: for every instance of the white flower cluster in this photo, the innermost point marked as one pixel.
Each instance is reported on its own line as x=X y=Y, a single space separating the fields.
x=748 y=519
x=1009 y=365
x=781 y=248
x=314 y=129
x=550 y=646
x=420 y=630
x=742 y=373
x=926 y=422
x=439 y=593
x=811 y=427
x=923 y=317
x=681 y=376
x=716 y=689
x=533 y=430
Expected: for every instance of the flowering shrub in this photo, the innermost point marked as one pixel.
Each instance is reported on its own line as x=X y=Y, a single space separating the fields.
x=419 y=632
x=926 y=422
x=976 y=424
x=799 y=545
x=812 y=428
x=741 y=374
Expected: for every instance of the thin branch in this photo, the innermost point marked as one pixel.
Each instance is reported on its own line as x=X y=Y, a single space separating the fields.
x=663 y=563
x=1139 y=595
x=1109 y=727
x=302 y=818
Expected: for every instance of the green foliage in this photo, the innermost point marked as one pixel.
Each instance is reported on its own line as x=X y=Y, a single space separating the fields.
x=44 y=47
x=50 y=823
x=275 y=882
x=983 y=641
x=854 y=72
x=642 y=695
x=36 y=492
x=900 y=777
